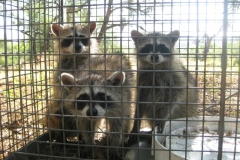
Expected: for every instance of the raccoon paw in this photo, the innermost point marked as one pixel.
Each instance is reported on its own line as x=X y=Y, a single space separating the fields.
x=106 y=153
x=58 y=137
x=133 y=138
x=86 y=153
x=126 y=142
x=160 y=127
x=115 y=156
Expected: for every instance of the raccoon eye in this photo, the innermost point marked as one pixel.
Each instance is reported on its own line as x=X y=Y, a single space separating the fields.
x=83 y=97
x=101 y=96
x=147 y=48
x=67 y=41
x=80 y=101
x=163 y=49
x=107 y=100
x=84 y=40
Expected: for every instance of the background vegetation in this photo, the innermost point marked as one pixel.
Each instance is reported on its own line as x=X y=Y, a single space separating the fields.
x=26 y=56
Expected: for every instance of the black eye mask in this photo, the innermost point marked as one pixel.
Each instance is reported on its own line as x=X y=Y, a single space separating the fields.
x=69 y=40
x=162 y=48
x=107 y=100
x=158 y=48
x=84 y=99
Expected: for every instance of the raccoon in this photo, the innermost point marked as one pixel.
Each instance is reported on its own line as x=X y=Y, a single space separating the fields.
x=75 y=46
x=166 y=90
x=103 y=89
x=74 y=39
x=60 y=123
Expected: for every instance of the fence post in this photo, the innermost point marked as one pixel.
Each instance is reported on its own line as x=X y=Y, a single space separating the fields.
x=223 y=80
x=62 y=12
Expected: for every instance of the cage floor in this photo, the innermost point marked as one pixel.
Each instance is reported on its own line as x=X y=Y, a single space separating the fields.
x=143 y=151
x=41 y=149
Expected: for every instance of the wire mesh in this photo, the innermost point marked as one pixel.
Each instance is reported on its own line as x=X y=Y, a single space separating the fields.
x=43 y=92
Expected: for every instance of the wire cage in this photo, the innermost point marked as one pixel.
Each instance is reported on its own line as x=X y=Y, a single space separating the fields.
x=97 y=79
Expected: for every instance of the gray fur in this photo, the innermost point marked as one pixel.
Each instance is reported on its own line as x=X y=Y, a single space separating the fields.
x=166 y=90
x=113 y=76
x=68 y=61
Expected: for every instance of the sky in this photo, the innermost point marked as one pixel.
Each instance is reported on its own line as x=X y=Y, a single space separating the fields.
x=11 y=29
x=190 y=18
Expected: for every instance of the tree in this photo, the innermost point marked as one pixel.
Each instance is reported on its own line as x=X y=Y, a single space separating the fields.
x=207 y=42
x=233 y=7
x=39 y=14
x=38 y=27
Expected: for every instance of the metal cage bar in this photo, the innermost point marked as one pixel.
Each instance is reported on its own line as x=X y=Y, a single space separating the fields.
x=115 y=50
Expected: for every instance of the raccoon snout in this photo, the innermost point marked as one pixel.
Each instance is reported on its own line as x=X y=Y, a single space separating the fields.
x=154 y=58
x=94 y=112
x=78 y=47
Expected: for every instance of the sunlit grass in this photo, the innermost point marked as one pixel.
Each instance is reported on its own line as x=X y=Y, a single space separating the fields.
x=23 y=103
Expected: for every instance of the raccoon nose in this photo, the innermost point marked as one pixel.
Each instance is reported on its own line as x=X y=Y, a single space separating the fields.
x=78 y=47
x=154 y=57
x=94 y=112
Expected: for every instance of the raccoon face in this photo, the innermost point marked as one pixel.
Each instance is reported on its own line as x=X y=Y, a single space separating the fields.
x=73 y=39
x=92 y=96
x=154 y=48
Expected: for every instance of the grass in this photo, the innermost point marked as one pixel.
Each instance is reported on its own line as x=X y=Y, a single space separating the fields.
x=23 y=99
x=209 y=84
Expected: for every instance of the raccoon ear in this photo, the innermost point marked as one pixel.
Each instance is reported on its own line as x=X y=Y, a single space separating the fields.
x=67 y=80
x=92 y=27
x=135 y=35
x=56 y=29
x=117 y=78
x=174 y=35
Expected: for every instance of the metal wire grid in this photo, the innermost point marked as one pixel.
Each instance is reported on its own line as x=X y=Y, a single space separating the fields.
x=25 y=73
x=28 y=60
